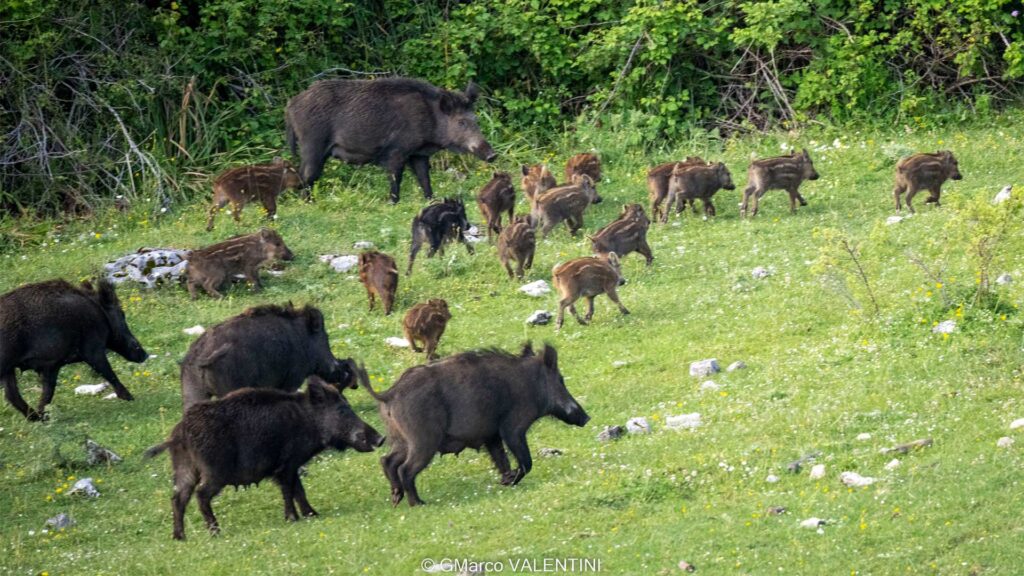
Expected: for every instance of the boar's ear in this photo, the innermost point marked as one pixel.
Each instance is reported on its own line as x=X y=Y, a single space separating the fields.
x=106 y=293
x=805 y=154
x=527 y=350
x=277 y=160
x=317 y=391
x=525 y=169
x=550 y=357
x=472 y=92
x=314 y=320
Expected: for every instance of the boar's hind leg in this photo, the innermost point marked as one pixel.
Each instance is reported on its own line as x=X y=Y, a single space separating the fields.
x=14 y=396
x=910 y=196
x=97 y=360
x=421 y=168
x=497 y=451
x=48 y=378
x=184 y=486
x=206 y=491
x=896 y=193
x=516 y=441
x=417 y=458
x=390 y=463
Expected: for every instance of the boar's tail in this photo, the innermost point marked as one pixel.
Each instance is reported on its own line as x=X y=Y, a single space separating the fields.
x=365 y=381
x=156 y=450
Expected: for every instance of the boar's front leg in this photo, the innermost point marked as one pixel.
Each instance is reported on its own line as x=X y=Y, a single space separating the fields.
x=252 y=274
x=184 y=486
x=497 y=451
x=645 y=249
x=421 y=168
x=293 y=492
x=395 y=167
x=97 y=360
x=516 y=441
x=614 y=296
x=467 y=243
x=14 y=397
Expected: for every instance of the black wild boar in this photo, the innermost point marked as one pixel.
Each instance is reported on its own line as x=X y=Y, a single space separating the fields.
x=253 y=434
x=625 y=235
x=688 y=183
x=260 y=182
x=426 y=323
x=391 y=122
x=437 y=225
x=586 y=277
x=46 y=326
x=517 y=242
x=580 y=164
x=379 y=274
x=537 y=179
x=924 y=172
x=564 y=203
x=496 y=197
x=214 y=266
x=780 y=173
x=469 y=400
x=657 y=183
x=264 y=347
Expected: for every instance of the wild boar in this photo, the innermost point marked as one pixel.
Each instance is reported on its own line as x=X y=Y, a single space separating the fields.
x=586 y=277
x=658 y=182
x=625 y=235
x=484 y=398
x=46 y=326
x=580 y=164
x=379 y=274
x=565 y=203
x=437 y=225
x=260 y=182
x=925 y=171
x=537 y=179
x=425 y=323
x=497 y=196
x=688 y=183
x=252 y=434
x=391 y=122
x=264 y=347
x=780 y=173
x=517 y=242
x=214 y=266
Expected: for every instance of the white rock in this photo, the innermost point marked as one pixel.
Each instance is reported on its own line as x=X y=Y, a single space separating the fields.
x=396 y=342
x=854 y=480
x=812 y=523
x=1004 y=442
x=1004 y=279
x=759 y=272
x=944 y=327
x=709 y=386
x=863 y=436
x=60 y=521
x=539 y=318
x=276 y=273
x=325 y=258
x=680 y=250
x=893 y=220
x=474 y=235
x=771 y=479
x=638 y=425
x=343 y=263
x=619 y=363
x=737 y=365
x=704 y=367
x=1018 y=423
x=195 y=330
x=536 y=289
x=91 y=389
x=683 y=421
x=111 y=396
x=1003 y=194
x=817 y=472
x=363 y=245
x=84 y=487
x=893 y=464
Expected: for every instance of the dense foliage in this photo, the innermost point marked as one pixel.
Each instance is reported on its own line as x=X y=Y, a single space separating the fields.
x=142 y=98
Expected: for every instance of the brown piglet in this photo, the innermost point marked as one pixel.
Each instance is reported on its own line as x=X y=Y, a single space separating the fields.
x=261 y=183
x=780 y=173
x=214 y=266
x=379 y=273
x=425 y=323
x=926 y=171
x=517 y=242
x=586 y=277
x=565 y=203
x=580 y=164
x=658 y=182
x=689 y=183
x=537 y=179
x=625 y=235
x=495 y=197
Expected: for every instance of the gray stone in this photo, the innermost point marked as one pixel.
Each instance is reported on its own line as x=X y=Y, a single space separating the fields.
x=96 y=454
x=611 y=433
x=703 y=368
x=737 y=365
x=539 y=318
x=60 y=521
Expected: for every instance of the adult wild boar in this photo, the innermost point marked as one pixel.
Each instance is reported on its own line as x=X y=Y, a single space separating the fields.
x=438 y=224
x=780 y=173
x=565 y=203
x=264 y=347
x=391 y=122
x=688 y=183
x=625 y=235
x=213 y=267
x=260 y=182
x=495 y=197
x=379 y=275
x=537 y=179
x=46 y=326
x=254 y=434
x=517 y=242
x=925 y=171
x=586 y=277
x=485 y=398
x=658 y=182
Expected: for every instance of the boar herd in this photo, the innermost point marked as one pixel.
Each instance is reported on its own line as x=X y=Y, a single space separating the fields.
x=244 y=418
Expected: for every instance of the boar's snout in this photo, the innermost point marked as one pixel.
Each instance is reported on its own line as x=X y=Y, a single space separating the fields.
x=484 y=152
x=956 y=174
x=135 y=352
x=622 y=281
x=287 y=255
x=576 y=415
x=366 y=439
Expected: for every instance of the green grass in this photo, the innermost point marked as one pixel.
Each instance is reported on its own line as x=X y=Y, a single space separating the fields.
x=820 y=373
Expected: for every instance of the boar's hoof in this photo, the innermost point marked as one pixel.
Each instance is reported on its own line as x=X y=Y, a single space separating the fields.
x=310 y=513
x=396 y=496
x=124 y=395
x=35 y=416
x=508 y=478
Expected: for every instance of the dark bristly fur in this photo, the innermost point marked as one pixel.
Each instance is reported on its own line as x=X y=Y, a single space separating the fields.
x=379 y=274
x=925 y=171
x=46 y=326
x=517 y=242
x=425 y=322
x=213 y=267
x=657 y=183
x=780 y=173
x=625 y=235
x=564 y=203
x=264 y=347
x=438 y=224
x=470 y=400
x=537 y=179
x=495 y=197
x=252 y=434
x=391 y=122
x=580 y=164
x=259 y=182
x=688 y=183
x=586 y=277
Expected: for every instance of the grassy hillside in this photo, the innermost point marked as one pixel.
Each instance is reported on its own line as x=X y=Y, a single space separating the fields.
x=821 y=372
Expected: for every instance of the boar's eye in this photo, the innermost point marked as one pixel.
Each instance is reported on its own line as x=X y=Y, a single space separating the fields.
x=463 y=123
